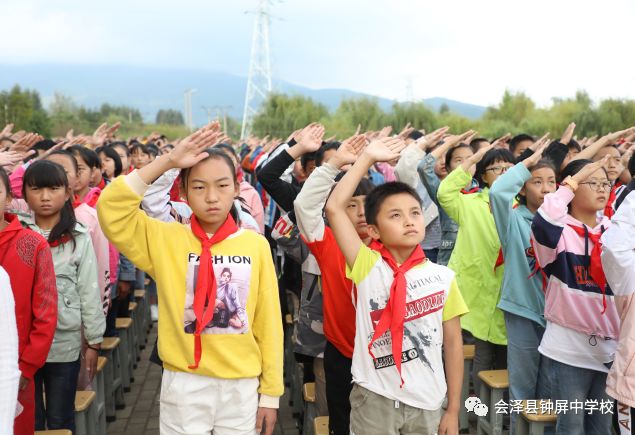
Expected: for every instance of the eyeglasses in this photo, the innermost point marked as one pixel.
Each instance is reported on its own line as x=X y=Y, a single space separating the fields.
x=498 y=169
x=596 y=185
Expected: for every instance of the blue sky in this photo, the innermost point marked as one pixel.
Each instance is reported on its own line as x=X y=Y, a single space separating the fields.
x=465 y=50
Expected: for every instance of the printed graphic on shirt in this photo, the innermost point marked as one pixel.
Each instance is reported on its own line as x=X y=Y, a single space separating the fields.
x=233 y=275
x=419 y=336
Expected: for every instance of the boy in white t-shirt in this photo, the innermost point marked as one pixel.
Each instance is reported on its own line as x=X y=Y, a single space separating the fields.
x=408 y=311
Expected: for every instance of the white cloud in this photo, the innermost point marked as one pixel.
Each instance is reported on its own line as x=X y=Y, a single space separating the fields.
x=460 y=49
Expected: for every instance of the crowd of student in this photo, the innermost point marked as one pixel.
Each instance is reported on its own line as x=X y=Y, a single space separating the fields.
x=391 y=250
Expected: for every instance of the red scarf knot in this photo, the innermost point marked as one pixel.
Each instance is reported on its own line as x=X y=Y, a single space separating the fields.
x=392 y=318
x=595 y=267
x=205 y=291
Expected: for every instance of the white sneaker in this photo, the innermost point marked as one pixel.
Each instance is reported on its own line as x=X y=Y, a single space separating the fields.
x=154 y=313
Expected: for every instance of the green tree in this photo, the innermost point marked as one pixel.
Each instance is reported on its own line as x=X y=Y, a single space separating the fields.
x=23 y=108
x=170 y=117
x=281 y=114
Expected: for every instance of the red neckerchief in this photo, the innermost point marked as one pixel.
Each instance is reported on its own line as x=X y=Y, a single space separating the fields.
x=608 y=209
x=500 y=260
x=471 y=190
x=205 y=292
x=76 y=201
x=65 y=238
x=102 y=184
x=537 y=268
x=595 y=268
x=395 y=311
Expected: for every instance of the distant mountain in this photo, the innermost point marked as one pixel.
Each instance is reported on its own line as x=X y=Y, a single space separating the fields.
x=150 y=89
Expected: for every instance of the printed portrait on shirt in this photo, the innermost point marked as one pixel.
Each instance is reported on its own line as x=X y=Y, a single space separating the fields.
x=233 y=274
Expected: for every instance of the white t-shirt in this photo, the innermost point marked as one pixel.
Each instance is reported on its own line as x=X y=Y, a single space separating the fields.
x=577 y=349
x=432 y=298
x=9 y=371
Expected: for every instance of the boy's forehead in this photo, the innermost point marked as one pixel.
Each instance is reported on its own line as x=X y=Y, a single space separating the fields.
x=403 y=201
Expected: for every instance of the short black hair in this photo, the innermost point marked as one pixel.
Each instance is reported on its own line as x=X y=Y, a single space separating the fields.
x=513 y=143
x=364 y=187
x=326 y=146
x=415 y=134
x=574 y=145
x=90 y=157
x=450 y=154
x=43 y=145
x=542 y=163
x=631 y=165
x=574 y=167
x=492 y=156
x=474 y=143
x=379 y=194
x=308 y=157
x=111 y=153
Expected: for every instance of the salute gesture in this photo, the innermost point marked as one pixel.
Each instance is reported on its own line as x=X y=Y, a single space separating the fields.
x=384 y=149
x=538 y=148
x=309 y=140
x=191 y=150
x=348 y=151
x=475 y=158
x=568 y=134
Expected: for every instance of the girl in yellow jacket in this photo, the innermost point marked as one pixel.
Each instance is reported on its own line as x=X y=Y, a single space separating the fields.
x=215 y=368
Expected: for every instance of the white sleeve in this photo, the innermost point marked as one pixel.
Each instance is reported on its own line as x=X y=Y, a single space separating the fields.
x=156 y=201
x=618 y=249
x=406 y=169
x=310 y=202
x=9 y=371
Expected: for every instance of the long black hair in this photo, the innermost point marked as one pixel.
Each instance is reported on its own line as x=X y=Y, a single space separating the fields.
x=4 y=178
x=42 y=174
x=110 y=152
x=215 y=154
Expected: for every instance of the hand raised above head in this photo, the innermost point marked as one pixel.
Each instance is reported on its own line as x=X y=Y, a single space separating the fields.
x=385 y=149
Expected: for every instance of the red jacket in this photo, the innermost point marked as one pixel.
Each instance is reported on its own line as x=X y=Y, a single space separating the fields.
x=26 y=257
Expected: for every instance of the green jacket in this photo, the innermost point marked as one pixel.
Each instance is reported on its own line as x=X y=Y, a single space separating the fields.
x=474 y=256
x=78 y=294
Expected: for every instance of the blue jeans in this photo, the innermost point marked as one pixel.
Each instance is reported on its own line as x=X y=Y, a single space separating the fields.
x=59 y=380
x=528 y=370
x=573 y=383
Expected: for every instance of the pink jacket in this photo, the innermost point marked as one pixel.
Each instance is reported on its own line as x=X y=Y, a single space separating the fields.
x=618 y=260
x=254 y=204
x=572 y=298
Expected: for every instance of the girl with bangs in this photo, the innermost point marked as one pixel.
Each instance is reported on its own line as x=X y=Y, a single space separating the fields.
x=47 y=192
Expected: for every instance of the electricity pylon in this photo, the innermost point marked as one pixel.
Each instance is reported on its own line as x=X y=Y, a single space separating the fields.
x=259 y=79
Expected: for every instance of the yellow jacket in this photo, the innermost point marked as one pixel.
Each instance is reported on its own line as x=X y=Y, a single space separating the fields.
x=243 y=341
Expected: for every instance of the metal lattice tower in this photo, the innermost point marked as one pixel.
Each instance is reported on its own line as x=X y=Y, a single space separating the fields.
x=259 y=79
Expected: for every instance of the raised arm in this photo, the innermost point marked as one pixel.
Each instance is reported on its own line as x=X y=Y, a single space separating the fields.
x=269 y=175
x=121 y=219
x=618 y=249
x=380 y=150
x=507 y=186
x=310 y=202
x=156 y=201
x=449 y=194
x=406 y=169
x=596 y=146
